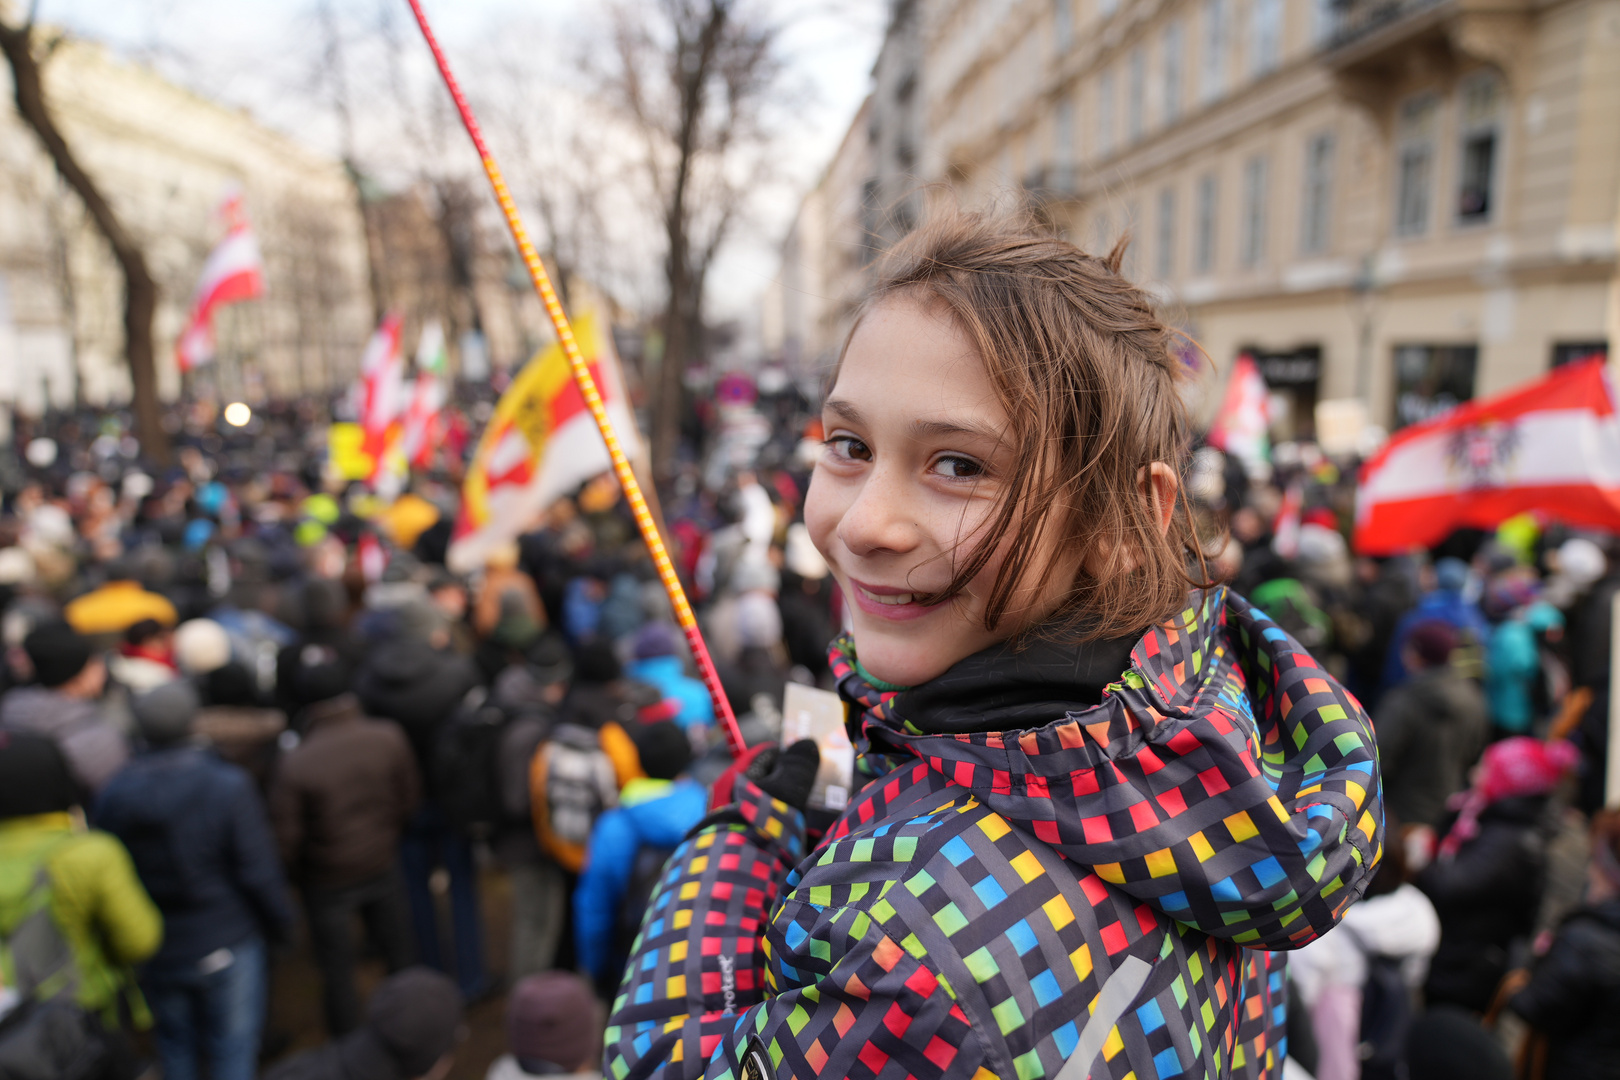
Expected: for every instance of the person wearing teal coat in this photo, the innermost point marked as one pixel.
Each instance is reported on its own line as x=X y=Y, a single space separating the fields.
x=1512 y=662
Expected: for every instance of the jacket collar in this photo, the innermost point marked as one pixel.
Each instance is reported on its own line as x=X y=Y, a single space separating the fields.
x=332 y=712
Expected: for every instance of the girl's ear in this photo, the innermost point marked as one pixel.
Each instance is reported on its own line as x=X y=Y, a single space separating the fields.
x=1159 y=485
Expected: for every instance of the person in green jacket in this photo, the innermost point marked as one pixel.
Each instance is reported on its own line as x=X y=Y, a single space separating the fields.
x=96 y=900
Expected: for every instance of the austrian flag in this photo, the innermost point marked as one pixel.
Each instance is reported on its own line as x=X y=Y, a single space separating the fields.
x=1552 y=447
x=234 y=272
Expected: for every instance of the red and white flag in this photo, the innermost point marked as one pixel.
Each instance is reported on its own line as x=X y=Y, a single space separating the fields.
x=1552 y=446
x=427 y=396
x=382 y=391
x=1240 y=428
x=234 y=272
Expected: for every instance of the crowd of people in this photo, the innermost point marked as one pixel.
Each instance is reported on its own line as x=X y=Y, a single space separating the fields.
x=244 y=707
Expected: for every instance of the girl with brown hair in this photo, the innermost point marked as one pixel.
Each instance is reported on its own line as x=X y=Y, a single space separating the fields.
x=1095 y=791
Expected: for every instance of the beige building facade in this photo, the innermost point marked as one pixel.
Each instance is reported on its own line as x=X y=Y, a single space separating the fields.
x=1407 y=203
x=166 y=159
x=808 y=307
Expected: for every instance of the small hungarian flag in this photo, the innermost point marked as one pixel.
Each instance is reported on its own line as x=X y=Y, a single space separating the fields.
x=1552 y=447
x=1245 y=415
x=540 y=445
x=234 y=272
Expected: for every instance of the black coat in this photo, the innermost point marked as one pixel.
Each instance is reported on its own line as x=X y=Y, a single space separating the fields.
x=418 y=687
x=1574 y=996
x=1486 y=897
x=1430 y=729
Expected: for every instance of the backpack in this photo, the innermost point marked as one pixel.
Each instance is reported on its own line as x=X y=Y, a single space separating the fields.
x=466 y=759
x=45 y=1035
x=571 y=781
x=1386 y=1017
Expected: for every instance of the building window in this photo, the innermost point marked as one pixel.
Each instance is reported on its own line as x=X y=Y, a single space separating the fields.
x=1567 y=352
x=1063 y=24
x=1254 y=211
x=1164 y=255
x=1316 y=214
x=1173 y=60
x=1414 y=163
x=1136 y=91
x=1324 y=21
x=1265 y=35
x=1105 y=114
x=1204 y=246
x=1214 y=59
x=1063 y=143
x=1432 y=379
x=1481 y=137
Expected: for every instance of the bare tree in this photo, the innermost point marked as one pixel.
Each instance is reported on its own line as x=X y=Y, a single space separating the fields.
x=696 y=78
x=18 y=42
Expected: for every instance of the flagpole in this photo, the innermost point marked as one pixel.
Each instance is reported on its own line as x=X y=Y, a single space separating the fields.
x=593 y=397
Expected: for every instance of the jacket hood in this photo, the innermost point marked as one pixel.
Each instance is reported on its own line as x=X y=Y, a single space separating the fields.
x=1221 y=775
x=403 y=662
x=44 y=711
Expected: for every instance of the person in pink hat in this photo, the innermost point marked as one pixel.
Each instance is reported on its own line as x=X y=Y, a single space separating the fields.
x=1487 y=877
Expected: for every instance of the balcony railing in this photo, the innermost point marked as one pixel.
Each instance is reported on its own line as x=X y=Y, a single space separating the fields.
x=1357 y=19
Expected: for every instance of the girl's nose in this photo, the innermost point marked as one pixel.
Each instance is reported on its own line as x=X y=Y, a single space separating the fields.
x=880 y=519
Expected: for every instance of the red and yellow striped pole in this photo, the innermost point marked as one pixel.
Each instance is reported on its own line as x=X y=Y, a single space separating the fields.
x=593 y=397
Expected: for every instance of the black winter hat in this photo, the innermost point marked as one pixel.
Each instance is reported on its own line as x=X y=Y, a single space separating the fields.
x=596 y=662
x=34 y=777
x=57 y=651
x=416 y=1015
x=663 y=747
x=319 y=675
x=549 y=660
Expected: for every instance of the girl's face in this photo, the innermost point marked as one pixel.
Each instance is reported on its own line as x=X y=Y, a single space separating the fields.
x=918 y=452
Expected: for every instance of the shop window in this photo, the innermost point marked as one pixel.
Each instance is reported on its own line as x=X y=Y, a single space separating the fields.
x=1432 y=379
x=1293 y=377
x=1567 y=352
x=1480 y=105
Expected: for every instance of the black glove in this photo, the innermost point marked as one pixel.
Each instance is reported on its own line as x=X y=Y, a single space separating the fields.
x=787 y=774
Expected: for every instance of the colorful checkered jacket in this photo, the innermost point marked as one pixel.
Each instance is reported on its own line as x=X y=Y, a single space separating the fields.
x=1095 y=895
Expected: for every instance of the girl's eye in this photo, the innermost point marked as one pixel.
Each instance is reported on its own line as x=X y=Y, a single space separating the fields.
x=957 y=468
x=849 y=448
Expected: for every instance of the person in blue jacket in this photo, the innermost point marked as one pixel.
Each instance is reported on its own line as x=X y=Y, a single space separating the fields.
x=628 y=848
x=1449 y=602
x=657 y=663
x=197 y=831
x=1512 y=662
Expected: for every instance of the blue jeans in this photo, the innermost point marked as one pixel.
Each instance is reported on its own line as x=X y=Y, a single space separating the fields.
x=206 y=1011
x=431 y=841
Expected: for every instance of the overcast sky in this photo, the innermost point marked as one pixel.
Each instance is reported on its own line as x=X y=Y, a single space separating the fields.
x=248 y=52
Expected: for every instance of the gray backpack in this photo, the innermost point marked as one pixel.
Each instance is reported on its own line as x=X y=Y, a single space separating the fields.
x=45 y=1035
